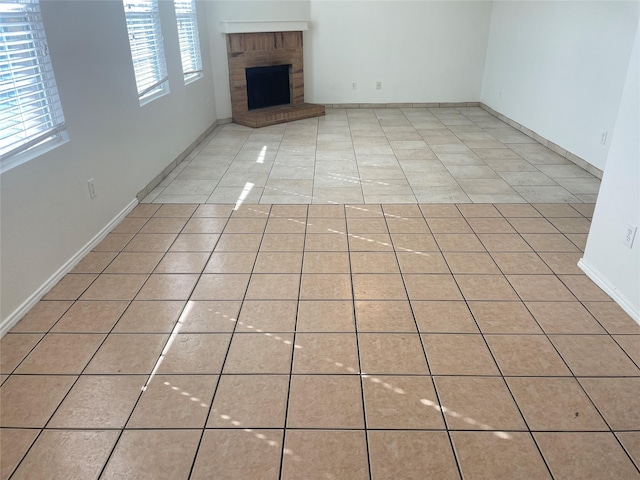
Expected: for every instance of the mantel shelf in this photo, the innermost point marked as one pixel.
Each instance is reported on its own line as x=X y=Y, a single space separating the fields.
x=259 y=26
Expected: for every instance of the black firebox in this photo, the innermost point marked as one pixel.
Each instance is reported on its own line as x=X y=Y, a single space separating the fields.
x=268 y=86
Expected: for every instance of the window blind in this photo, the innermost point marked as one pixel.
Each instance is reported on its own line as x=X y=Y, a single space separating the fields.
x=30 y=109
x=147 y=50
x=188 y=39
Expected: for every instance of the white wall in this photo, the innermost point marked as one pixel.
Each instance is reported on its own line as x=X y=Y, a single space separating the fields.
x=47 y=215
x=241 y=10
x=606 y=260
x=428 y=51
x=558 y=68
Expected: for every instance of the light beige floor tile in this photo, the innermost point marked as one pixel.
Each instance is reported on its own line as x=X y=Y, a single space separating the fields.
x=94 y=262
x=238 y=243
x=443 y=317
x=540 y=288
x=153 y=454
x=225 y=286
x=23 y=402
x=230 y=262
x=485 y=287
x=555 y=404
x=14 y=348
x=401 y=402
x=209 y=316
x=526 y=355
x=259 y=353
x=171 y=401
x=239 y=454
x=488 y=456
x=478 y=403
x=14 y=443
x=70 y=287
x=585 y=455
x=391 y=354
x=335 y=353
x=326 y=262
x=320 y=454
x=325 y=316
x=504 y=317
x=612 y=317
x=397 y=454
x=127 y=354
x=369 y=286
x=278 y=262
x=325 y=286
x=267 y=316
x=61 y=353
x=594 y=355
x=168 y=287
x=325 y=401
x=250 y=401
x=631 y=443
x=458 y=354
x=67 y=454
x=99 y=401
x=384 y=316
x=615 y=398
x=42 y=316
x=194 y=353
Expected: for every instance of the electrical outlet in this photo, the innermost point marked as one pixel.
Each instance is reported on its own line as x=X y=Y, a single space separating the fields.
x=603 y=137
x=354 y=86
x=378 y=85
x=92 y=188
x=630 y=235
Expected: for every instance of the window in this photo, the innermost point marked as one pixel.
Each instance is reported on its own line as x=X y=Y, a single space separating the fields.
x=30 y=109
x=147 y=51
x=189 y=40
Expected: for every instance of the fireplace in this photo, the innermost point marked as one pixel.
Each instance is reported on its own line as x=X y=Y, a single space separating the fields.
x=268 y=86
x=271 y=55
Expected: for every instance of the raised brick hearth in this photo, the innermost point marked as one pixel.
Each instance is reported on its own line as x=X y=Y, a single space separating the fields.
x=247 y=50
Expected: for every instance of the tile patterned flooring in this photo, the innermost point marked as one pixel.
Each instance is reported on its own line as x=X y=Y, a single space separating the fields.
x=387 y=341
x=412 y=155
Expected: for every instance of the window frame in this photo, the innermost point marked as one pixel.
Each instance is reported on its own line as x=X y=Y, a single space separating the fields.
x=28 y=78
x=190 y=36
x=150 y=68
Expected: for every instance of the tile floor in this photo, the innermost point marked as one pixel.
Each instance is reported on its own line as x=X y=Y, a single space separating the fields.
x=413 y=155
x=431 y=341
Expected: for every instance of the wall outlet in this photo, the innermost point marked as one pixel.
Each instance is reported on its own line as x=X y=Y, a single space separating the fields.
x=354 y=86
x=92 y=188
x=378 y=85
x=603 y=137
x=629 y=235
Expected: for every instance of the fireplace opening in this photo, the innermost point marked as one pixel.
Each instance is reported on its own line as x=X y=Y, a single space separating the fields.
x=268 y=86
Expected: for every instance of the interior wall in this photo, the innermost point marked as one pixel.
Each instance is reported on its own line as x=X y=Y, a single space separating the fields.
x=429 y=51
x=607 y=260
x=240 y=10
x=47 y=215
x=558 y=68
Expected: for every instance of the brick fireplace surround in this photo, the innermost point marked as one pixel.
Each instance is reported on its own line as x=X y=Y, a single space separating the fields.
x=248 y=50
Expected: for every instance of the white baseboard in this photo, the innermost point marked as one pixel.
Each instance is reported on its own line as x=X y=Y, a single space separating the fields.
x=8 y=323
x=609 y=289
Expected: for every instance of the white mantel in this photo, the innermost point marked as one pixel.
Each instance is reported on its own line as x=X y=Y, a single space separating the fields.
x=257 y=26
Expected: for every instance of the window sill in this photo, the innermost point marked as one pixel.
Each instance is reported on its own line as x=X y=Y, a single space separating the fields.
x=41 y=149
x=151 y=97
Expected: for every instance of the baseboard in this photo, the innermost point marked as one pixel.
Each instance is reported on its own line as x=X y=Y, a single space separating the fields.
x=403 y=105
x=609 y=289
x=176 y=161
x=573 y=158
x=8 y=323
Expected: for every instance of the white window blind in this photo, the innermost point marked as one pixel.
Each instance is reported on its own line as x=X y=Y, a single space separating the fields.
x=147 y=50
x=189 y=39
x=30 y=109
